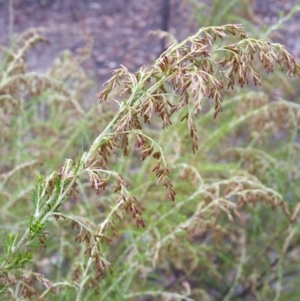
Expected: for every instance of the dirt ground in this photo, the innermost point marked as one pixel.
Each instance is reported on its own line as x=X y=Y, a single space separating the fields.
x=120 y=28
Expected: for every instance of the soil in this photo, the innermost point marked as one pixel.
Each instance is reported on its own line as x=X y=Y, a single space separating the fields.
x=120 y=28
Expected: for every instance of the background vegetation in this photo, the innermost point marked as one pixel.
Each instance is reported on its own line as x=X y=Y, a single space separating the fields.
x=85 y=190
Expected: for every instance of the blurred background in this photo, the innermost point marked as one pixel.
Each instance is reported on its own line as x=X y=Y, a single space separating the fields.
x=121 y=28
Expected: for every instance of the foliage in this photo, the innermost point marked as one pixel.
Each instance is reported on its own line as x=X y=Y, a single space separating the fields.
x=231 y=234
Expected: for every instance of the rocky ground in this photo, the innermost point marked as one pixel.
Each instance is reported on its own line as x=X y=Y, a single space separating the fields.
x=120 y=28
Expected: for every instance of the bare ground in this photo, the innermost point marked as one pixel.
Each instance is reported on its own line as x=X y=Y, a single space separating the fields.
x=120 y=28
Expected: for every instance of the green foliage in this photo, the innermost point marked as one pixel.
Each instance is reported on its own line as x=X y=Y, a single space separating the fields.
x=100 y=227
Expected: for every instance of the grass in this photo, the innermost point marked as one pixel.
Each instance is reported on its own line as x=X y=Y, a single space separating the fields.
x=194 y=127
